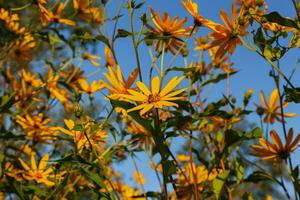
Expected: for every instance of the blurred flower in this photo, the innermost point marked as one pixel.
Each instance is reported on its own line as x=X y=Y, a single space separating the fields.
x=140 y=135
x=168 y=30
x=39 y=173
x=90 y=134
x=11 y=21
x=110 y=62
x=271 y=109
x=21 y=51
x=277 y=151
x=92 y=88
x=48 y=16
x=52 y=85
x=35 y=127
x=192 y=8
x=116 y=84
x=91 y=58
x=138 y=177
x=155 y=98
x=193 y=175
x=183 y=158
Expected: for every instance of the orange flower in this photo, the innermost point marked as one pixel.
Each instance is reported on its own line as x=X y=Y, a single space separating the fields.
x=169 y=30
x=192 y=8
x=48 y=16
x=91 y=58
x=116 y=84
x=21 y=51
x=271 y=109
x=39 y=173
x=91 y=89
x=35 y=127
x=276 y=151
x=225 y=37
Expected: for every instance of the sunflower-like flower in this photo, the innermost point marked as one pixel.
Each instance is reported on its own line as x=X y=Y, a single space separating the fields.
x=194 y=176
x=39 y=173
x=48 y=16
x=226 y=37
x=36 y=127
x=277 y=151
x=91 y=134
x=192 y=8
x=21 y=51
x=92 y=88
x=116 y=83
x=169 y=30
x=272 y=109
x=155 y=98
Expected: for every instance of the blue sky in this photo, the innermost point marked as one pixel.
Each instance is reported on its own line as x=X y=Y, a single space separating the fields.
x=253 y=70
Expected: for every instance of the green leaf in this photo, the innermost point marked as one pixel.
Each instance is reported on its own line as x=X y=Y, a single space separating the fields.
x=258 y=176
x=292 y=94
x=6 y=102
x=295 y=40
x=239 y=168
x=219 y=182
x=259 y=39
x=103 y=39
x=277 y=18
x=236 y=136
x=122 y=33
x=94 y=177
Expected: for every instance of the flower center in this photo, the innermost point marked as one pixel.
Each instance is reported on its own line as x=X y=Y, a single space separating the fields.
x=38 y=175
x=152 y=98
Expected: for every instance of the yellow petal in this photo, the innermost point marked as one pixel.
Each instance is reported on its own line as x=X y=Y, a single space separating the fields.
x=155 y=85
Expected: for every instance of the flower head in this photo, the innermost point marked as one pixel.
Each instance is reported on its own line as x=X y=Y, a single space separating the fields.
x=39 y=172
x=271 y=109
x=226 y=37
x=116 y=83
x=155 y=98
x=276 y=151
x=169 y=30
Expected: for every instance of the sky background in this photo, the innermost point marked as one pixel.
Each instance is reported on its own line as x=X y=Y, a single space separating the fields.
x=253 y=70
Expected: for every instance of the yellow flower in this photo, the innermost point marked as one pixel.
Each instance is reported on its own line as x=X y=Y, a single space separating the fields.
x=276 y=151
x=169 y=28
x=29 y=78
x=52 y=86
x=35 y=127
x=155 y=98
x=11 y=21
x=271 y=109
x=194 y=175
x=183 y=158
x=110 y=61
x=21 y=51
x=91 y=89
x=138 y=177
x=225 y=37
x=192 y=8
x=91 y=58
x=38 y=172
x=141 y=136
x=116 y=84
x=48 y=16
x=91 y=134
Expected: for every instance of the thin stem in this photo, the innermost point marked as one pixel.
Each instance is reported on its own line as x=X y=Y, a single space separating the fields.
x=135 y=46
x=296 y=9
x=162 y=61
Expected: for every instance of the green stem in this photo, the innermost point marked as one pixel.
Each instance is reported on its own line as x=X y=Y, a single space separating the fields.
x=135 y=46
